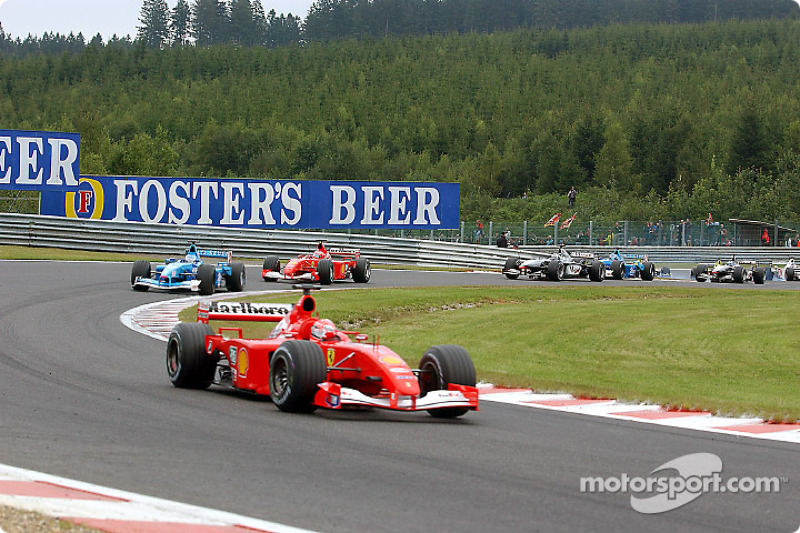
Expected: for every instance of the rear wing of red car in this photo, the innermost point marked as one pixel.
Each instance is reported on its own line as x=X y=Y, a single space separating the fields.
x=345 y=253
x=242 y=311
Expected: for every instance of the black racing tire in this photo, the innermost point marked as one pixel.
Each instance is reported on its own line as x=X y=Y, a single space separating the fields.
x=648 y=272
x=325 y=271
x=207 y=275
x=189 y=366
x=790 y=274
x=759 y=275
x=696 y=271
x=140 y=269
x=597 y=271
x=238 y=278
x=441 y=365
x=511 y=263
x=617 y=269
x=273 y=264
x=362 y=272
x=295 y=370
x=555 y=270
x=738 y=274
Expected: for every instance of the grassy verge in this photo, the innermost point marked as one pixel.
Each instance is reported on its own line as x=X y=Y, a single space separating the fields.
x=733 y=352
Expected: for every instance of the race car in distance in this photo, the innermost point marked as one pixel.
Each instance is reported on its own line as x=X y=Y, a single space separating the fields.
x=190 y=273
x=556 y=266
x=791 y=271
x=323 y=266
x=629 y=266
x=732 y=271
x=306 y=362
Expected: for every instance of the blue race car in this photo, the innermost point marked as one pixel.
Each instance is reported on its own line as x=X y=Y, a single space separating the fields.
x=629 y=266
x=190 y=273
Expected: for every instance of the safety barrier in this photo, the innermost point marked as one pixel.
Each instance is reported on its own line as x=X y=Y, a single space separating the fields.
x=171 y=240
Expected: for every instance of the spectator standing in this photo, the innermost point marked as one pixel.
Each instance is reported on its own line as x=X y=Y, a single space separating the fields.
x=571 y=195
x=502 y=240
x=479 y=231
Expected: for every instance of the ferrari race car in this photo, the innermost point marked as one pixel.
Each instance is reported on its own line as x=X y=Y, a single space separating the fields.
x=306 y=362
x=190 y=273
x=731 y=271
x=556 y=266
x=629 y=266
x=323 y=266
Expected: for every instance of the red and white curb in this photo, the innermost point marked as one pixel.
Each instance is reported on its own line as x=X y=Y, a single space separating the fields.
x=116 y=511
x=645 y=413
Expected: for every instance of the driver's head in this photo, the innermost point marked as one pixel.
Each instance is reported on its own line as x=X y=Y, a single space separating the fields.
x=323 y=329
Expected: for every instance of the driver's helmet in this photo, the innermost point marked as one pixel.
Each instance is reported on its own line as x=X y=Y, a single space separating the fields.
x=323 y=329
x=192 y=254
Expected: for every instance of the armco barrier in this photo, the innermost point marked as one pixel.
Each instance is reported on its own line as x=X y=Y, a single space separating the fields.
x=170 y=240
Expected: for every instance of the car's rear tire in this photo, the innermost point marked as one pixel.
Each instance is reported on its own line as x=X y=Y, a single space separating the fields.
x=617 y=269
x=790 y=274
x=648 y=272
x=441 y=365
x=206 y=274
x=238 y=278
x=189 y=366
x=738 y=274
x=597 y=271
x=295 y=370
x=759 y=275
x=511 y=263
x=273 y=264
x=325 y=271
x=555 y=270
x=140 y=269
x=696 y=271
x=362 y=271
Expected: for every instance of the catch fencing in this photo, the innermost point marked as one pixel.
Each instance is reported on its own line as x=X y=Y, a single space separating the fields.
x=423 y=250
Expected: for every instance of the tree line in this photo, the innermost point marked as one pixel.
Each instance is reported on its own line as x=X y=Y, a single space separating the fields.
x=244 y=22
x=665 y=121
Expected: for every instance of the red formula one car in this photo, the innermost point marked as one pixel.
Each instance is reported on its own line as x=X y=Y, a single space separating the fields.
x=323 y=266
x=306 y=362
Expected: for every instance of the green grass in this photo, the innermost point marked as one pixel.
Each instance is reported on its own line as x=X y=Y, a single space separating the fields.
x=732 y=352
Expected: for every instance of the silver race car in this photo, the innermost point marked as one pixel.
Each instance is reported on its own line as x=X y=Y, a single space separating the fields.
x=556 y=266
x=732 y=271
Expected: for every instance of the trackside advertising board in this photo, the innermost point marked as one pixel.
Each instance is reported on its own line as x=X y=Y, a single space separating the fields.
x=36 y=160
x=259 y=203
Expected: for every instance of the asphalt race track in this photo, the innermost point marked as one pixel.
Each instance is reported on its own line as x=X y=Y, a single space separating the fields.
x=82 y=396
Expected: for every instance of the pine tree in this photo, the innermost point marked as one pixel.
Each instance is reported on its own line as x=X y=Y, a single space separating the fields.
x=181 y=23
x=154 y=18
x=210 y=21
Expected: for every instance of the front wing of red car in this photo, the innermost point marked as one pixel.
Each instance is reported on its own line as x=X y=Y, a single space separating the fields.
x=333 y=396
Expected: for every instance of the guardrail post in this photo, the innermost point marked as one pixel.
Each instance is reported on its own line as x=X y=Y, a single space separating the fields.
x=525 y=233
x=463 y=225
x=775 y=238
x=491 y=231
x=625 y=233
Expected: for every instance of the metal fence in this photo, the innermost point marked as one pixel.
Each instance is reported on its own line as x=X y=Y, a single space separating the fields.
x=169 y=240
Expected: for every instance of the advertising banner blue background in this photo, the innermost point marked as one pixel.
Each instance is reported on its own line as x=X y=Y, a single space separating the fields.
x=260 y=203
x=36 y=160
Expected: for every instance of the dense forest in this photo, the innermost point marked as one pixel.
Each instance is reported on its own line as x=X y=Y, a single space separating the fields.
x=646 y=121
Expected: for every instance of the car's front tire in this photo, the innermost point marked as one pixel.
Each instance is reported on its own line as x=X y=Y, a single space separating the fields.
x=362 y=271
x=206 y=274
x=441 y=365
x=511 y=264
x=273 y=264
x=325 y=271
x=648 y=271
x=555 y=270
x=295 y=370
x=140 y=269
x=597 y=271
